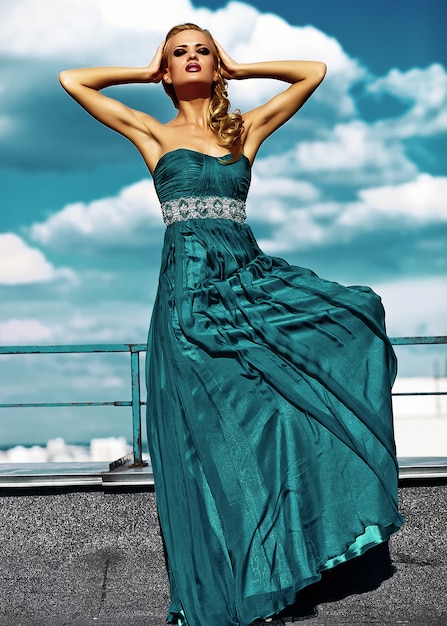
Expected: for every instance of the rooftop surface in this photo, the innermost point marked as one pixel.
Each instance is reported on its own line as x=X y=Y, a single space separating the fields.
x=88 y=555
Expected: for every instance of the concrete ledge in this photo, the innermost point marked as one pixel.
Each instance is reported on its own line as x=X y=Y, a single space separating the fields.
x=47 y=475
x=55 y=475
x=92 y=556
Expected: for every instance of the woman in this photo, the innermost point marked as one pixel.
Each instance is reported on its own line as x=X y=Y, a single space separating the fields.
x=269 y=408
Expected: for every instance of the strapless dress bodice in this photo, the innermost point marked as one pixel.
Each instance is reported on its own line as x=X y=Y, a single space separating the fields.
x=191 y=184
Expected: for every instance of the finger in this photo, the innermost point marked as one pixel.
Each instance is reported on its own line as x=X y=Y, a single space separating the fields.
x=219 y=47
x=160 y=49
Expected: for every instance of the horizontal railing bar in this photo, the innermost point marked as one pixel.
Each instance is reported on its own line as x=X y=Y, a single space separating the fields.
x=408 y=341
x=46 y=405
x=74 y=348
x=141 y=347
x=420 y=393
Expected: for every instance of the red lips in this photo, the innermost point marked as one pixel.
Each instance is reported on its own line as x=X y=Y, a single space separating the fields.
x=193 y=67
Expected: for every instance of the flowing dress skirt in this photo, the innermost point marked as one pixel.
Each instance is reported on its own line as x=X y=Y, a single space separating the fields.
x=269 y=424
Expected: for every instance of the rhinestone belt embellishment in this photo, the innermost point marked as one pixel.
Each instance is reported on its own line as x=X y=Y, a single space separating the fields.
x=213 y=207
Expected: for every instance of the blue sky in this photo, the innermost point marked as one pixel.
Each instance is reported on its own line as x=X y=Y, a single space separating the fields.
x=354 y=187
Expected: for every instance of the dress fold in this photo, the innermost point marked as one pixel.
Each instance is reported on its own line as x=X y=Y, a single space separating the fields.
x=269 y=413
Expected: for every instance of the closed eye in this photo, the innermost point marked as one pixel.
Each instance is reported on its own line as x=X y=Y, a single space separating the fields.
x=178 y=52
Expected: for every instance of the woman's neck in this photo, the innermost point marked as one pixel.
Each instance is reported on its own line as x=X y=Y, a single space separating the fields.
x=193 y=112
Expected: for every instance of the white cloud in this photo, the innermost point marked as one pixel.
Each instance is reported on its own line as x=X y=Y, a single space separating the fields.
x=427 y=90
x=352 y=155
x=356 y=150
x=273 y=195
x=420 y=202
x=57 y=451
x=140 y=15
x=62 y=28
x=22 y=264
x=109 y=322
x=130 y=218
x=300 y=229
x=415 y=306
x=25 y=331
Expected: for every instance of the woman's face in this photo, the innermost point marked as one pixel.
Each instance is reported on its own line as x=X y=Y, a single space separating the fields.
x=190 y=59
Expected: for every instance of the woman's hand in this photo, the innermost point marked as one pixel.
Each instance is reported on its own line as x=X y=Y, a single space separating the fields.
x=229 y=67
x=155 y=72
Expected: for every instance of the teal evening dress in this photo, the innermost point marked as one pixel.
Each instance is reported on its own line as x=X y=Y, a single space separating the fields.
x=269 y=408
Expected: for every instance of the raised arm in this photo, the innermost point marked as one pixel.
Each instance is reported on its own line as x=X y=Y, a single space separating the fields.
x=84 y=86
x=303 y=76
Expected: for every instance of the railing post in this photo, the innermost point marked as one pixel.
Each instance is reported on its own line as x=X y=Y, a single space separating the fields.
x=136 y=408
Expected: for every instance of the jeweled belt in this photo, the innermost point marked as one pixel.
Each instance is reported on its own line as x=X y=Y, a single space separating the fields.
x=204 y=207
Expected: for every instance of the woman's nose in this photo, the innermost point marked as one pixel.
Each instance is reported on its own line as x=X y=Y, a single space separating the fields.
x=193 y=54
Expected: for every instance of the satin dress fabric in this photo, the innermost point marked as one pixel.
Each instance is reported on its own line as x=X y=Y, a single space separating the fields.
x=269 y=412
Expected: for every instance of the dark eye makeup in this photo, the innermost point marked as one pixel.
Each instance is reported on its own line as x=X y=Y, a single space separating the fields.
x=178 y=52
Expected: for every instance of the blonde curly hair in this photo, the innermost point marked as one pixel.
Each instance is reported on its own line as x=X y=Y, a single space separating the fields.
x=227 y=126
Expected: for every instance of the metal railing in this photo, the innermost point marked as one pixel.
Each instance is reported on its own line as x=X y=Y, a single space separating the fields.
x=134 y=350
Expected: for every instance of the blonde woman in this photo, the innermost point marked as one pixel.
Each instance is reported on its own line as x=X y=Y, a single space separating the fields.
x=269 y=409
